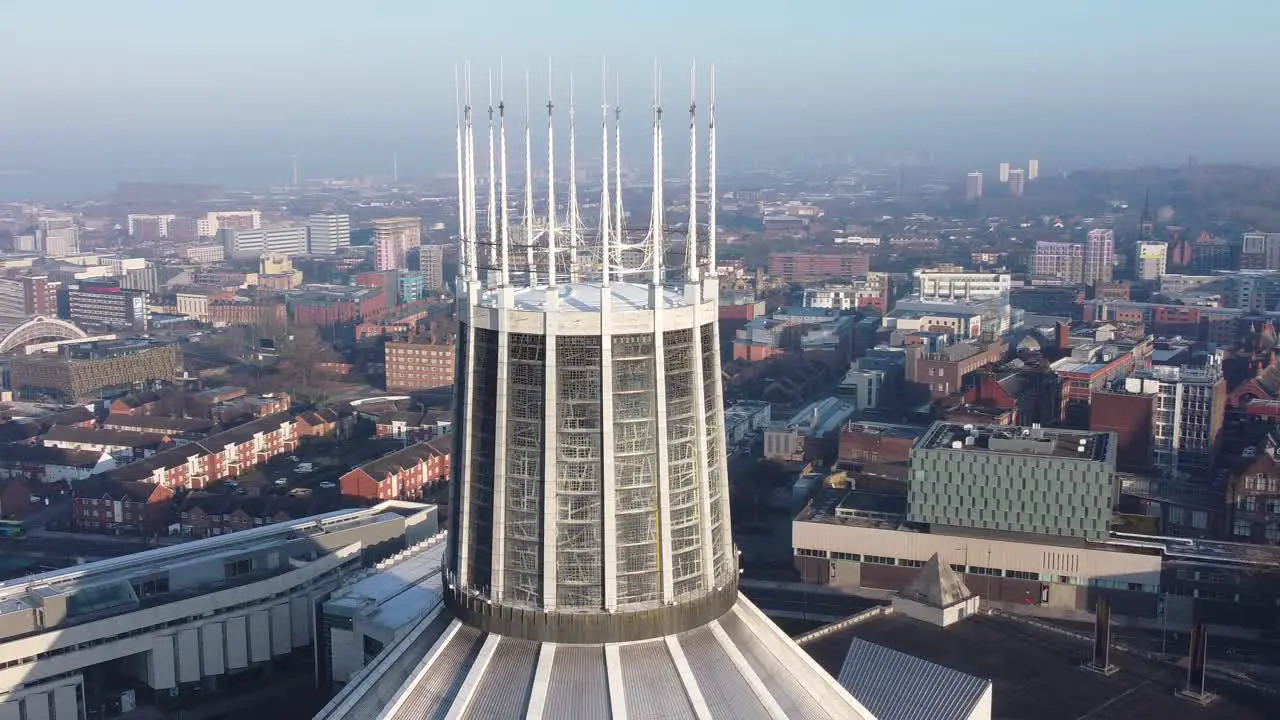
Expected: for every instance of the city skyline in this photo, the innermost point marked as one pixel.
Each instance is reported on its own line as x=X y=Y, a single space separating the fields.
x=235 y=107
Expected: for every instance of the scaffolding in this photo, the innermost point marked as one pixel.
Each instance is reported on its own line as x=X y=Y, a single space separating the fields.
x=635 y=423
x=579 y=484
x=526 y=381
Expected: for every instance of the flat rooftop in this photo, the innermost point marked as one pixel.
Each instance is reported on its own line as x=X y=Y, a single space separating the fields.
x=1036 y=673
x=1052 y=442
x=585 y=297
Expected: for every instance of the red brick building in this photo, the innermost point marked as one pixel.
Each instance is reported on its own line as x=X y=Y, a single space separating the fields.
x=1128 y=415
x=327 y=305
x=105 y=505
x=262 y=312
x=804 y=267
x=402 y=475
x=421 y=363
x=205 y=514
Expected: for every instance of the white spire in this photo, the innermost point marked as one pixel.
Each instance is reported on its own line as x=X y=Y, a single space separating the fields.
x=493 y=200
x=529 y=213
x=691 y=238
x=573 y=193
x=462 y=196
x=619 y=231
x=471 y=183
x=551 y=184
x=606 y=218
x=711 y=180
x=657 y=217
x=502 y=153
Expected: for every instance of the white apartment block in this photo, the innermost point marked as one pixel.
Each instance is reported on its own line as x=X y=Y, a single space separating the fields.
x=952 y=285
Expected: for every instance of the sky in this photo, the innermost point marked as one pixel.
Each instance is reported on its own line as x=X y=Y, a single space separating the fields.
x=92 y=92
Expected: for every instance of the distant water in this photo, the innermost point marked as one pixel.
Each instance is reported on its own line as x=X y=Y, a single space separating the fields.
x=52 y=186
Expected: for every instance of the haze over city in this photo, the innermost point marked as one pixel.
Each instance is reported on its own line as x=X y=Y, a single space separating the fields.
x=225 y=92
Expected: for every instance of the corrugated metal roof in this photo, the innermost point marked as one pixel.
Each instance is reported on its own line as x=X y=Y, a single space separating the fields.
x=897 y=686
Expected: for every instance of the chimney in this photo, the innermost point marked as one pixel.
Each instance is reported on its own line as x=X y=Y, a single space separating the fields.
x=1064 y=335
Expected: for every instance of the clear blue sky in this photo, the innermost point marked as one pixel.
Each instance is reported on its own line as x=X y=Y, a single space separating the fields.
x=227 y=90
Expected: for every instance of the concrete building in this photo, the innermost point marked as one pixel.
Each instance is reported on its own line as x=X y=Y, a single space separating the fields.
x=807 y=267
x=1033 y=169
x=813 y=433
x=1153 y=260
x=862 y=388
x=973 y=186
x=744 y=419
x=1099 y=256
x=213 y=222
x=1058 y=262
x=1017 y=182
x=1004 y=172
x=393 y=238
x=328 y=233
x=431 y=264
x=1058 y=483
x=181 y=620
x=1260 y=251
x=245 y=243
x=1257 y=291
x=106 y=306
x=950 y=283
x=148 y=227
x=1186 y=423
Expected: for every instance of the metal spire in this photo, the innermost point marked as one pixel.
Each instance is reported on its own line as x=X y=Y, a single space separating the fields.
x=691 y=238
x=657 y=216
x=619 y=233
x=529 y=213
x=493 y=211
x=471 y=182
x=573 y=193
x=462 y=197
x=502 y=152
x=711 y=181
x=551 y=185
x=606 y=213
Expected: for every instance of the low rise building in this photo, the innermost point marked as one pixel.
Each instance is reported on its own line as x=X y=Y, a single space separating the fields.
x=122 y=445
x=121 y=506
x=402 y=475
x=424 y=362
x=811 y=434
x=51 y=464
x=83 y=370
x=179 y=429
x=208 y=514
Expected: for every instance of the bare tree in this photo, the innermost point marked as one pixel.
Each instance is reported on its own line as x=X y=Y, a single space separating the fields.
x=301 y=356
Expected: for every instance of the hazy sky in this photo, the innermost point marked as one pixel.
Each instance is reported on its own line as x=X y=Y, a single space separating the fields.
x=227 y=90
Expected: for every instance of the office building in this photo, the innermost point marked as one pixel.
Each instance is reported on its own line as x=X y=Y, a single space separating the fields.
x=1033 y=169
x=1153 y=260
x=973 y=186
x=1099 y=256
x=1186 y=421
x=209 y=225
x=148 y=227
x=1053 y=482
x=1017 y=182
x=1260 y=251
x=328 y=233
x=252 y=243
x=204 y=253
x=388 y=253
x=954 y=283
x=795 y=267
x=158 y=630
x=591 y=572
x=57 y=235
x=410 y=285
x=431 y=265
x=1004 y=172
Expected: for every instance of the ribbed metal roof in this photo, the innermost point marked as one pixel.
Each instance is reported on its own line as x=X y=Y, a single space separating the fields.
x=897 y=686
x=740 y=666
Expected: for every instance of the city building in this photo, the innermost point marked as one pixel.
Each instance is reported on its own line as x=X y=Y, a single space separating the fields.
x=162 y=628
x=813 y=433
x=101 y=505
x=1058 y=262
x=214 y=222
x=1017 y=182
x=106 y=305
x=1260 y=251
x=937 y=373
x=1099 y=256
x=1186 y=422
x=46 y=464
x=871 y=293
x=393 y=238
x=744 y=419
x=57 y=235
x=323 y=305
x=1004 y=172
x=123 y=446
x=431 y=264
x=147 y=227
x=421 y=362
x=1153 y=259
x=204 y=253
x=402 y=475
x=973 y=186
x=276 y=272
x=410 y=286
x=795 y=267
x=1033 y=169
x=953 y=283
x=244 y=243
x=1254 y=495
x=1056 y=482
x=84 y=370
x=1257 y=291
x=328 y=233
x=27 y=296
x=598 y=546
